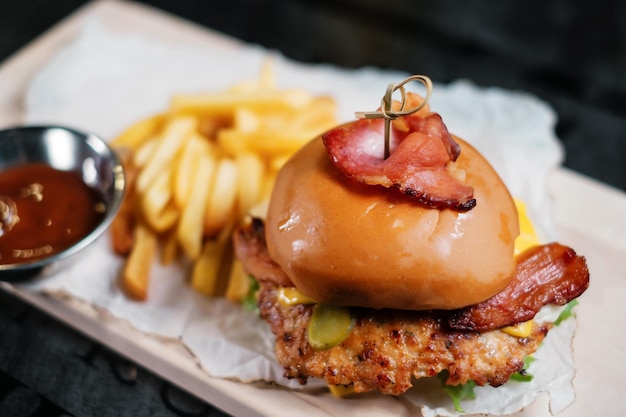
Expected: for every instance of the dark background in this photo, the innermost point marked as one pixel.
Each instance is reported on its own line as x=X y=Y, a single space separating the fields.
x=572 y=54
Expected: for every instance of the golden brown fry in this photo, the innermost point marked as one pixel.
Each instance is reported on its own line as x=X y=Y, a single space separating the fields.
x=222 y=198
x=190 y=226
x=172 y=138
x=222 y=104
x=267 y=79
x=156 y=203
x=137 y=134
x=264 y=82
x=209 y=125
x=277 y=162
x=232 y=142
x=185 y=168
x=143 y=154
x=267 y=185
x=250 y=169
x=246 y=120
x=169 y=247
x=206 y=272
x=238 y=282
x=206 y=268
x=318 y=116
x=122 y=228
x=136 y=273
x=267 y=143
x=123 y=225
x=260 y=209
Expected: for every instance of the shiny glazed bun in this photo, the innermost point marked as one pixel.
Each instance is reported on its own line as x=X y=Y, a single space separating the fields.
x=346 y=243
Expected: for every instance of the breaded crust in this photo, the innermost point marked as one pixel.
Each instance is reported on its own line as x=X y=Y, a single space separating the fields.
x=388 y=348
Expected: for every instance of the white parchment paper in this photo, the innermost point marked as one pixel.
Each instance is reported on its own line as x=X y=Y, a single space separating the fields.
x=102 y=82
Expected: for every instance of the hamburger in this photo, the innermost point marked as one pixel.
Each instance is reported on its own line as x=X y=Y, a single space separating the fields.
x=377 y=271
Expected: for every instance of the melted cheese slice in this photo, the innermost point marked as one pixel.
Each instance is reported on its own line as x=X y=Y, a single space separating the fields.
x=290 y=296
x=519 y=330
x=526 y=239
x=528 y=236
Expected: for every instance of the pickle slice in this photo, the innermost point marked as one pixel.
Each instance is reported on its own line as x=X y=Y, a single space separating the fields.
x=329 y=326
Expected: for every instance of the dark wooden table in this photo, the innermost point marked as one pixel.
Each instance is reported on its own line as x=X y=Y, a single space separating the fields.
x=572 y=54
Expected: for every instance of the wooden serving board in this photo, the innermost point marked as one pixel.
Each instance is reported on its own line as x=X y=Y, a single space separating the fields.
x=589 y=216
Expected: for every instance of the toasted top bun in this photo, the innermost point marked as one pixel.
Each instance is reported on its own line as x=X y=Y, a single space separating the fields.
x=346 y=243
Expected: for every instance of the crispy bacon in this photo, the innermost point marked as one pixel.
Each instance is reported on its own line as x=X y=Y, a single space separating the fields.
x=251 y=249
x=421 y=148
x=547 y=274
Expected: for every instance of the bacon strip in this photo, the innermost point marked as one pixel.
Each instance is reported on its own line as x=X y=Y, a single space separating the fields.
x=251 y=249
x=547 y=274
x=421 y=147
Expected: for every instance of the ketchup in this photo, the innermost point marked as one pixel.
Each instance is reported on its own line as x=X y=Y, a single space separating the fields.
x=43 y=211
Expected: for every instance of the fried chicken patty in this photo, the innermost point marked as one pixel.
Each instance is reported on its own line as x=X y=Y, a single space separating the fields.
x=386 y=349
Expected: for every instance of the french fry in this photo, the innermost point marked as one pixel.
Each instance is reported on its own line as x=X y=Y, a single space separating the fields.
x=122 y=228
x=222 y=197
x=224 y=103
x=169 y=247
x=182 y=174
x=173 y=136
x=320 y=115
x=238 y=282
x=267 y=143
x=207 y=269
x=185 y=169
x=267 y=185
x=190 y=226
x=123 y=225
x=143 y=154
x=136 y=273
x=209 y=125
x=246 y=120
x=166 y=218
x=157 y=205
x=266 y=79
x=279 y=143
x=139 y=132
x=233 y=141
x=277 y=162
x=250 y=169
x=260 y=209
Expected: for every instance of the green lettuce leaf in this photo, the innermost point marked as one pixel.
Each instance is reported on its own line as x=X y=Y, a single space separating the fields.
x=249 y=301
x=567 y=312
x=457 y=393
x=523 y=375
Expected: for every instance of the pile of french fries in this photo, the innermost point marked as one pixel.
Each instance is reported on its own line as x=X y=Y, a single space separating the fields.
x=196 y=170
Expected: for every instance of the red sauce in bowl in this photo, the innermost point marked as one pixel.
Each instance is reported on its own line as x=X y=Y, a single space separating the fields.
x=44 y=211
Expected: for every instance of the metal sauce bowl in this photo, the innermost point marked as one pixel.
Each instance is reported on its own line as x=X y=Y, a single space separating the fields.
x=64 y=149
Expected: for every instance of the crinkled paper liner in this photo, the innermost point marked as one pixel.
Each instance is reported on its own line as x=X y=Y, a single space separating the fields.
x=102 y=82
